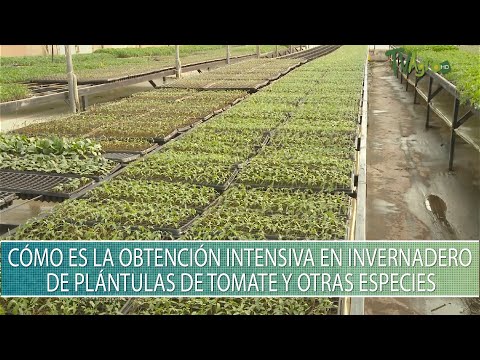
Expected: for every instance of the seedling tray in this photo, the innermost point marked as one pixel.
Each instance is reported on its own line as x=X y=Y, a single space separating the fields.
x=203 y=210
x=177 y=232
x=174 y=231
x=336 y=189
x=223 y=186
x=7 y=229
x=298 y=238
x=264 y=142
x=64 y=175
x=31 y=185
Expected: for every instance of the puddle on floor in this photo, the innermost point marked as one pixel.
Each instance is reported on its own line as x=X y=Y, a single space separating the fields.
x=22 y=210
x=473 y=305
x=438 y=208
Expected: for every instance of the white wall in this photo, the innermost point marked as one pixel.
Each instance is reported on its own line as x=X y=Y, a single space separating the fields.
x=378 y=47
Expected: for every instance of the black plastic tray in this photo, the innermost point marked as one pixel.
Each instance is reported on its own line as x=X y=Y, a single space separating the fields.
x=6 y=229
x=64 y=175
x=180 y=230
x=264 y=142
x=202 y=211
x=31 y=185
x=223 y=186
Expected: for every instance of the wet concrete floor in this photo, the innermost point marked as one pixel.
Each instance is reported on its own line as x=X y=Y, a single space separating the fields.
x=410 y=192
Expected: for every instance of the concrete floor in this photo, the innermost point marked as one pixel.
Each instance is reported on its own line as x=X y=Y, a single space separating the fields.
x=410 y=192
x=22 y=210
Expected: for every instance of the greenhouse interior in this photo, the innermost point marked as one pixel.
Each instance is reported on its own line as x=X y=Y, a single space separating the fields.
x=240 y=142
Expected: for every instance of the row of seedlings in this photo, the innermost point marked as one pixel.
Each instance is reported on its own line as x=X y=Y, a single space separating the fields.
x=311 y=155
x=229 y=139
x=251 y=74
x=250 y=117
x=30 y=156
x=113 y=64
x=54 y=167
x=107 y=211
x=161 y=114
x=118 y=209
x=291 y=211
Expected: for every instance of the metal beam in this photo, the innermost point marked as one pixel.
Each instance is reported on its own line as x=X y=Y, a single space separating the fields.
x=357 y=305
x=436 y=92
x=417 y=79
x=447 y=85
x=456 y=106
x=464 y=118
x=83 y=103
x=429 y=97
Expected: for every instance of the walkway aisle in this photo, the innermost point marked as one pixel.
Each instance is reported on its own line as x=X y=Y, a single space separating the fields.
x=408 y=167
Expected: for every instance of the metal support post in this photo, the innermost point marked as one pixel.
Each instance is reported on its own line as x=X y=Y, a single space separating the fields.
x=456 y=106
x=429 y=98
x=178 y=63
x=72 y=82
x=417 y=79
